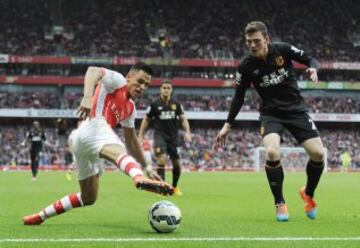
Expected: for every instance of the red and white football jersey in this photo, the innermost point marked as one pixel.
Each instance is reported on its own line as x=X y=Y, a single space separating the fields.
x=112 y=100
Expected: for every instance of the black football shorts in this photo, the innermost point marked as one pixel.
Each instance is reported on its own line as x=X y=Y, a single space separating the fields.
x=166 y=145
x=300 y=125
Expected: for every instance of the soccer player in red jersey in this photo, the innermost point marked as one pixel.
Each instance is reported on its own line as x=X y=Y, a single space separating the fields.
x=111 y=104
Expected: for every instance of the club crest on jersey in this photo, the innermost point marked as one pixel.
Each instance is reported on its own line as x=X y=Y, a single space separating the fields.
x=173 y=106
x=279 y=61
x=262 y=130
x=128 y=109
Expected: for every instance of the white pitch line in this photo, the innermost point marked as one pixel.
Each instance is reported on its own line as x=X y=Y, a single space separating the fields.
x=195 y=239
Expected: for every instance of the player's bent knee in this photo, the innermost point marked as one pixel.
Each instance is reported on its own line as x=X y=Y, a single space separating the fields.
x=317 y=155
x=161 y=159
x=112 y=152
x=272 y=154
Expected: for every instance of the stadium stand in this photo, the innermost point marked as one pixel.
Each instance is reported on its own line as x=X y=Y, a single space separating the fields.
x=200 y=53
x=125 y=31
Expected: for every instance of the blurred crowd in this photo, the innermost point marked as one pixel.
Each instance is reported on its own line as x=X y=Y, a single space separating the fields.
x=199 y=154
x=178 y=29
x=71 y=100
x=242 y=143
x=181 y=29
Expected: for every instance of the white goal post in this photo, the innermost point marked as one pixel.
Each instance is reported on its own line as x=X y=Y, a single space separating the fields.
x=292 y=158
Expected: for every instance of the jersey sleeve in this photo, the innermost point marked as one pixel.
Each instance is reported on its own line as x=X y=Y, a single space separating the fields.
x=112 y=80
x=130 y=121
x=242 y=81
x=299 y=55
x=150 y=111
x=242 y=76
x=179 y=109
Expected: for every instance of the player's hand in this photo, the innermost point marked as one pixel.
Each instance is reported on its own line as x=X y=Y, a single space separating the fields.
x=187 y=137
x=152 y=174
x=312 y=74
x=221 y=137
x=83 y=111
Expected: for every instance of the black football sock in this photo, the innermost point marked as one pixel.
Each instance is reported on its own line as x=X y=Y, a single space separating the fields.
x=313 y=171
x=275 y=176
x=176 y=175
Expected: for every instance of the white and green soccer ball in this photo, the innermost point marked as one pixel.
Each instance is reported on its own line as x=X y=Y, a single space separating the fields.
x=164 y=216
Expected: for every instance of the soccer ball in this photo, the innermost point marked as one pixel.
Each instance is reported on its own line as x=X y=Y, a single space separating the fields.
x=164 y=217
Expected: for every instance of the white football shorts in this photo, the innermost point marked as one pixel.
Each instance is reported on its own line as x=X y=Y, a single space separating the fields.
x=87 y=141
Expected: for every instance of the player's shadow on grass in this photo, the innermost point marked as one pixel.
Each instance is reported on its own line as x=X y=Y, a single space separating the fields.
x=141 y=228
x=118 y=227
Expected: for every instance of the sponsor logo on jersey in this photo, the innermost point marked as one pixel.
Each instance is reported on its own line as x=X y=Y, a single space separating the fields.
x=116 y=112
x=279 y=61
x=173 y=106
x=36 y=138
x=158 y=149
x=167 y=115
x=276 y=77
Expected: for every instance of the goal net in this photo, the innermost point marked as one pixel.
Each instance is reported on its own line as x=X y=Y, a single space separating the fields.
x=292 y=158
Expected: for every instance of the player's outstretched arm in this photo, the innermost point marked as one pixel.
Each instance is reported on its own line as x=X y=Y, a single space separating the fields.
x=134 y=148
x=186 y=126
x=92 y=76
x=143 y=127
x=221 y=137
x=312 y=72
x=236 y=105
x=303 y=58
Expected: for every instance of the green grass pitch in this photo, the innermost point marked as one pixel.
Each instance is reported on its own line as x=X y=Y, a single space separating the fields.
x=214 y=205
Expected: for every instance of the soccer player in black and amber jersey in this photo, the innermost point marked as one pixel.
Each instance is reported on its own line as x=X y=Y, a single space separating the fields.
x=269 y=69
x=166 y=115
x=35 y=136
